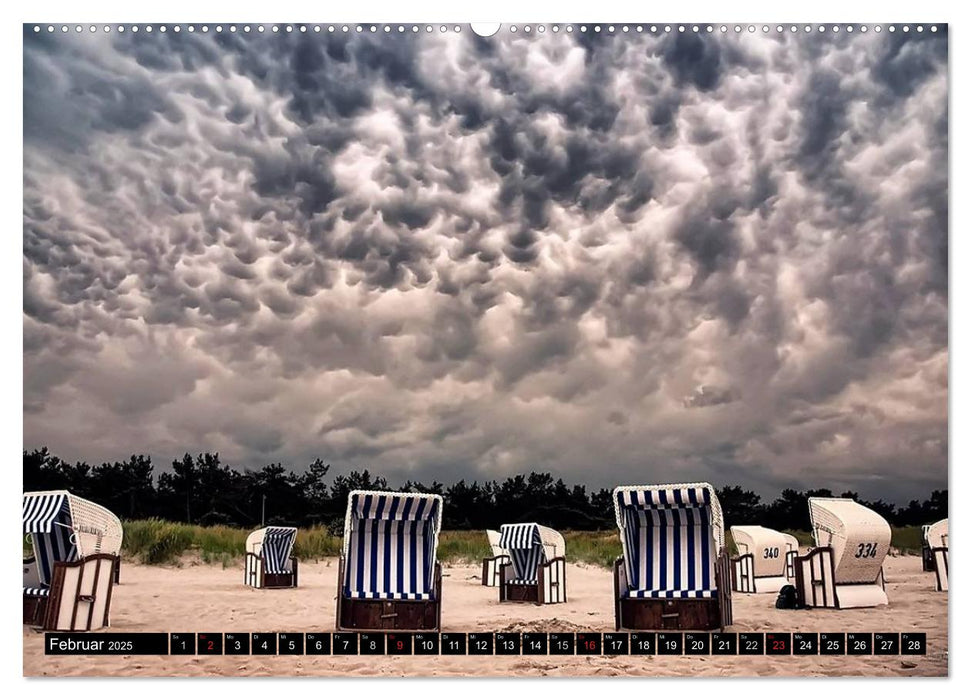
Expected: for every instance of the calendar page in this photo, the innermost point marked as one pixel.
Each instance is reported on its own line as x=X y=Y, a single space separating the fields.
x=449 y=349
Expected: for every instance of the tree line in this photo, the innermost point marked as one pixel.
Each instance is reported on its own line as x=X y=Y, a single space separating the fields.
x=203 y=490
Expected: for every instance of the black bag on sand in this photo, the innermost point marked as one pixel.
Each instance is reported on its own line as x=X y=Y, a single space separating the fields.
x=787 y=598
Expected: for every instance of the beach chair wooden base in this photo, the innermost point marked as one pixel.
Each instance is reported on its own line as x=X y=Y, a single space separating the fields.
x=744 y=579
x=79 y=597
x=518 y=593
x=35 y=607
x=490 y=570
x=654 y=614
x=816 y=585
x=389 y=615
x=255 y=574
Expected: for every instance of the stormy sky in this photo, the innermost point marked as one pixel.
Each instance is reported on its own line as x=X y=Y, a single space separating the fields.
x=622 y=259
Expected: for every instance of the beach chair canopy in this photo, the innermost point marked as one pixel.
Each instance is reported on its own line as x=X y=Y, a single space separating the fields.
x=64 y=527
x=274 y=544
x=768 y=548
x=530 y=545
x=497 y=550
x=390 y=541
x=792 y=544
x=859 y=537
x=671 y=535
x=937 y=534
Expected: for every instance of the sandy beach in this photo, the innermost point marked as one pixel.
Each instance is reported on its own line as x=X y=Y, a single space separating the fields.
x=197 y=597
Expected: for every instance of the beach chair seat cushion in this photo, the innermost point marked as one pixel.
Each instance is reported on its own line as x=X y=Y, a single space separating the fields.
x=43 y=591
x=671 y=593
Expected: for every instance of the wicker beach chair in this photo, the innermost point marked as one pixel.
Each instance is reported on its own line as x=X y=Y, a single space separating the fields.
x=269 y=562
x=760 y=566
x=536 y=571
x=937 y=537
x=492 y=565
x=675 y=573
x=845 y=568
x=76 y=552
x=388 y=578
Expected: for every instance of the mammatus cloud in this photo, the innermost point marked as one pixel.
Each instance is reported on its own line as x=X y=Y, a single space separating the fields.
x=619 y=258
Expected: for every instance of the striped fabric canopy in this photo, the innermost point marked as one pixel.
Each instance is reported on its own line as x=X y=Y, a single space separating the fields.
x=276 y=548
x=525 y=546
x=669 y=540
x=47 y=518
x=390 y=540
x=42 y=510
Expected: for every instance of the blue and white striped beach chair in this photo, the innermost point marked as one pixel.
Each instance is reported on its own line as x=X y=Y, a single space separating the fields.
x=389 y=577
x=675 y=570
x=536 y=572
x=68 y=581
x=269 y=563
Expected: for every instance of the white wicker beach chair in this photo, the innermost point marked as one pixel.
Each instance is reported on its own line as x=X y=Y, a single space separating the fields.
x=269 y=562
x=675 y=572
x=937 y=539
x=760 y=566
x=76 y=551
x=536 y=570
x=492 y=565
x=845 y=568
x=388 y=577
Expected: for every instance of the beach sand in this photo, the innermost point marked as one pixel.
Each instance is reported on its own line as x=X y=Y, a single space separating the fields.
x=205 y=598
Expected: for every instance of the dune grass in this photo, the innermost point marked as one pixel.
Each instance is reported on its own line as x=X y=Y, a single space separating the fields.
x=161 y=542
x=908 y=540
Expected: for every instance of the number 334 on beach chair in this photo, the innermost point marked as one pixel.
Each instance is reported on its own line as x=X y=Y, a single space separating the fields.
x=675 y=571
x=388 y=577
x=268 y=560
x=536 y=572
x=845 y=568
x=69 y=579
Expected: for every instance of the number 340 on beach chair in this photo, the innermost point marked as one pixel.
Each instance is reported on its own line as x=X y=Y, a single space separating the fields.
x=765 y=561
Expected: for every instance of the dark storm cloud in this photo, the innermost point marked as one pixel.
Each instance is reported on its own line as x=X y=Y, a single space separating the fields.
x=451 y=256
